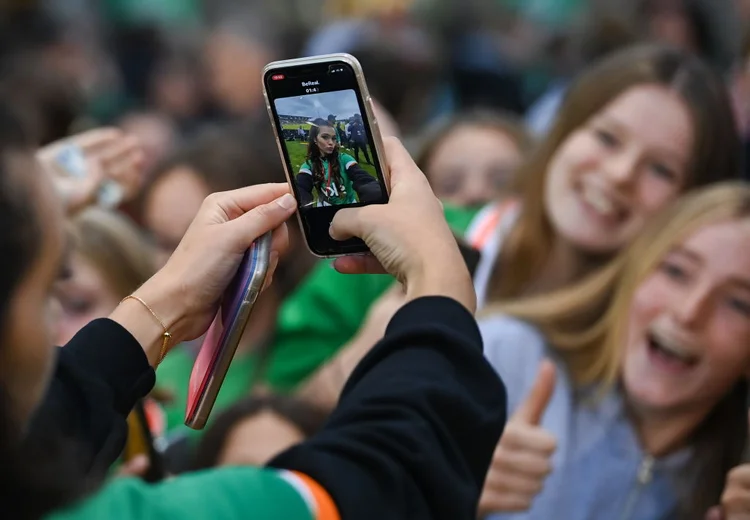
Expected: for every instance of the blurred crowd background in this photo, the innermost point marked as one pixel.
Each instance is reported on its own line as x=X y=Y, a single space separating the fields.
x=165 y=69
x=184 y=77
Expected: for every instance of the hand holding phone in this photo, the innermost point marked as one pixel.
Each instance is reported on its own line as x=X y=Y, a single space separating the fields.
x=408 y=237
x=329 y=141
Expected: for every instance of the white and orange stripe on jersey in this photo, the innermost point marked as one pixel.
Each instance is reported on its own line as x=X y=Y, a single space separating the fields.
x=486 y=234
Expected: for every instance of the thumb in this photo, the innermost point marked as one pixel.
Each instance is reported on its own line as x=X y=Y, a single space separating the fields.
x=715 y=513
x=263 y=218
x=347 y=223
x=532 y=409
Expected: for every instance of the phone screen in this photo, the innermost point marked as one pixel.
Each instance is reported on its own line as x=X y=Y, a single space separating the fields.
x=327 y=144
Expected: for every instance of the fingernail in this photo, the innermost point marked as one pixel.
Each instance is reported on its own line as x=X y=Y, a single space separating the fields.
x=287 y=201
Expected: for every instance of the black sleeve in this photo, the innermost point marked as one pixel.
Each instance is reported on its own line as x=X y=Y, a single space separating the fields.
x=99 y=376
x=366 y=186
x=305 y=188
x=417 y=424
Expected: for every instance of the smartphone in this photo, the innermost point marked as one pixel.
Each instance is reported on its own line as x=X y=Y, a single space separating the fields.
x=329 y=141
x=223 y=337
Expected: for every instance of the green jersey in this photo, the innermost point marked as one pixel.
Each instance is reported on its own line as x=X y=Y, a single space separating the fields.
x=228 y=493
x=329 y=192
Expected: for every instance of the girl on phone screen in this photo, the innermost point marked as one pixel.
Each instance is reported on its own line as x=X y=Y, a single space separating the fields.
x=331 y=178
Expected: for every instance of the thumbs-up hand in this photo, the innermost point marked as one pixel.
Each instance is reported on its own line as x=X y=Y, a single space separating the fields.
x=735 y=501
x=522 y=458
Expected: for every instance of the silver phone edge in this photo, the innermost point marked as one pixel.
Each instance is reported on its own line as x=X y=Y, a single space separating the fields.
x=369 y=110
x=207 y=399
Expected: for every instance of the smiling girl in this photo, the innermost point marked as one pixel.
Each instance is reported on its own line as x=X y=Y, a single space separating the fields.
x=636 y=131
x=331 y=178
x=639 y=411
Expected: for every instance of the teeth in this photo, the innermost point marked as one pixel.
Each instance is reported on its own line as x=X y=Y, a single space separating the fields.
x=599 y=201
x=672 y=348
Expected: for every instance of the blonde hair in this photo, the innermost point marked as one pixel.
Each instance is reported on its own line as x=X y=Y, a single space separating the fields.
x=716 y=154
x=586 y=322
x=115 y=246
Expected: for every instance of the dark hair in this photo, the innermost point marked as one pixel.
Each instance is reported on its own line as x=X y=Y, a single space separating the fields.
x=304 y=416
x=33 y=481
x=48 y=102
x=20 y=232
x=26 y=27
x=719 y=445
x=508 y=124
x=745 y=48
x=316 y=160
x=697 y=16
x=604 y=34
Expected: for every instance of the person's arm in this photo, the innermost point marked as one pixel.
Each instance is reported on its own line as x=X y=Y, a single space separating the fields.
x=411 y=439
x=99 y=376
x=106 y=368
x=305 y=187
x=417 y=423
x=367 y=187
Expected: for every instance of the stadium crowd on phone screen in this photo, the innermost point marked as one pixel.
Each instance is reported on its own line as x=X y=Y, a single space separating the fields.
x=588 y=157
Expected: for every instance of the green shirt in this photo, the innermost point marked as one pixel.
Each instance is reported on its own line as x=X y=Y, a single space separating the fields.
x=330 y=193
x=326 y=311
x=227 y=493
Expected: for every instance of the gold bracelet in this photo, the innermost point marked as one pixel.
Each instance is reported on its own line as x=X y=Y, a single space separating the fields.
x=165 y=337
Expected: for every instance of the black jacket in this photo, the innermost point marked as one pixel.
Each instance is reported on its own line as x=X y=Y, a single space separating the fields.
x=417 y=423
x=99 y=376
x=412 y=437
